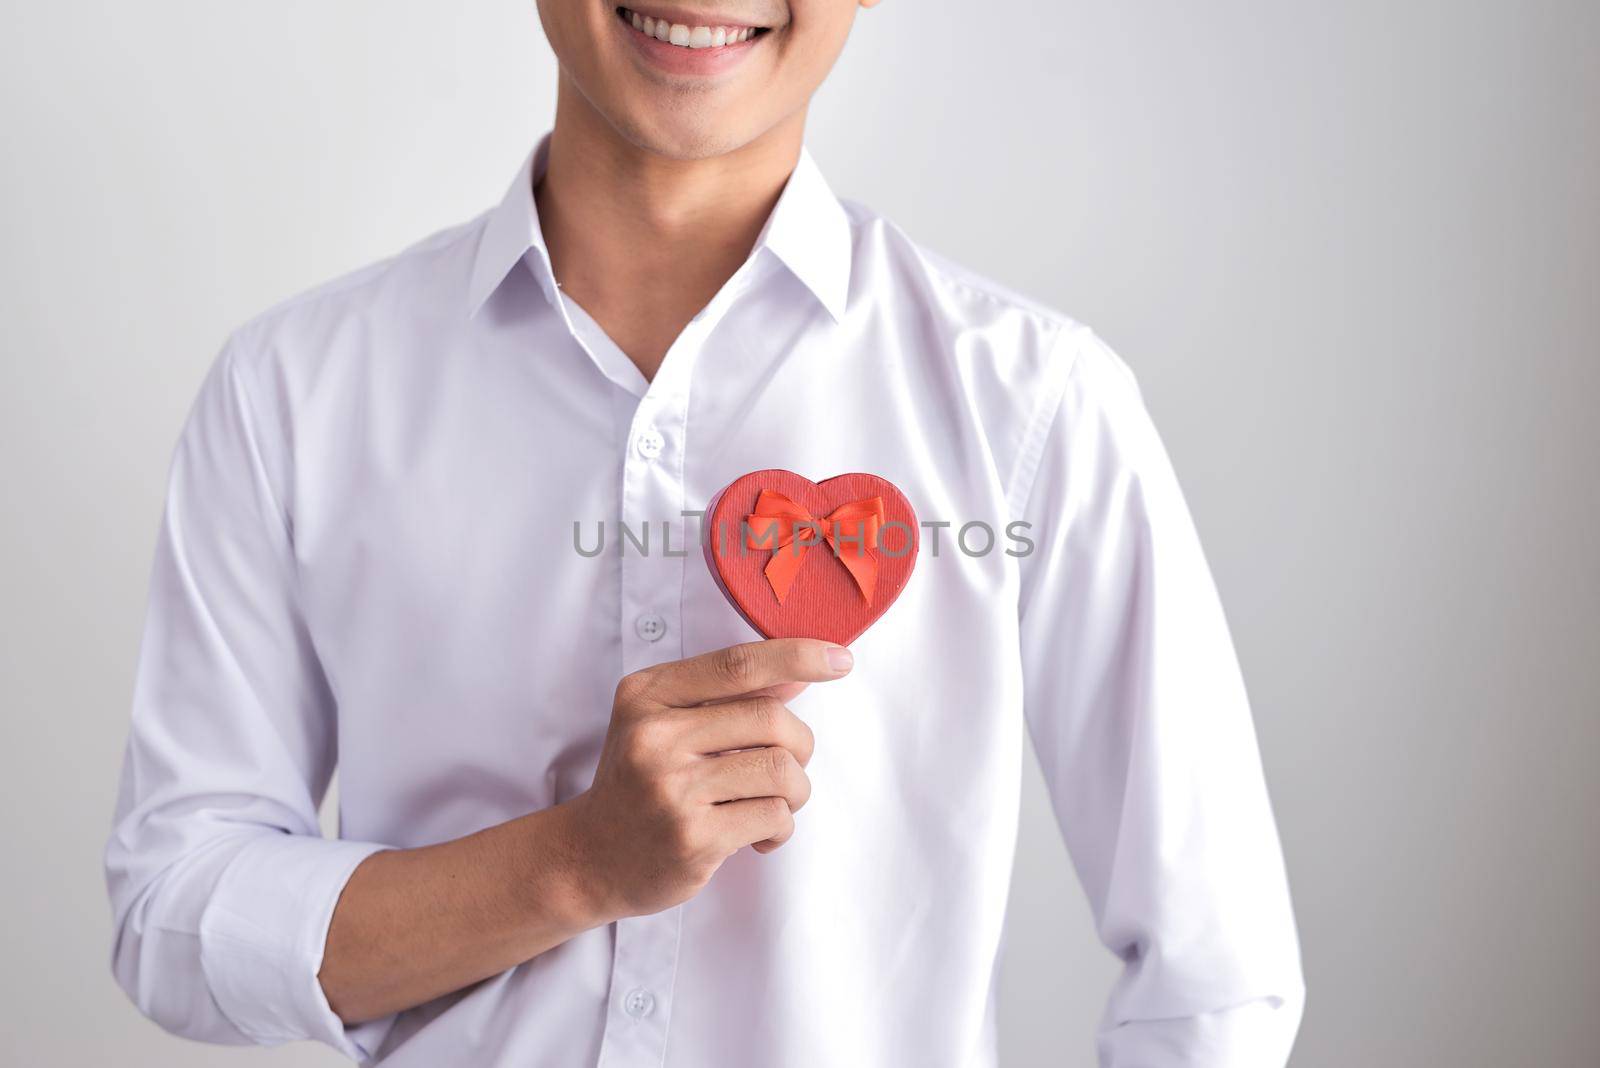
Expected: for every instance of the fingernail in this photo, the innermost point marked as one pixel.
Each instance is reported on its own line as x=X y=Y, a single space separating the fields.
x=840 y=659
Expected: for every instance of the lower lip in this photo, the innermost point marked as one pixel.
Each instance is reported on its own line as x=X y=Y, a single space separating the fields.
x=674 y=59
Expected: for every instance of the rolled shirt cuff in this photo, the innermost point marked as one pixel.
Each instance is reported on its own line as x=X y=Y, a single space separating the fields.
x=1256 y=1034
x=262 y=936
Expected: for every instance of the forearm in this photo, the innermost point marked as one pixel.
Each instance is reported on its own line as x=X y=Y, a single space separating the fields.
x=699 y=761
x=415 y=924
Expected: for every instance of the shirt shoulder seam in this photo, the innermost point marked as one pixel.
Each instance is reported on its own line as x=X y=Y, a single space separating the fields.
x=1046 y=408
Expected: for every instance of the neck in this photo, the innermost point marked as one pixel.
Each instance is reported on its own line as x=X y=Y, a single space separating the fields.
x=643 y=242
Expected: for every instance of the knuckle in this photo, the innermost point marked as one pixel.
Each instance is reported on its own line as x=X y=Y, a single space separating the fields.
x=805 y=740
x=667 y=792
x=631 y=689
x=767 y=711
x=737 y=665
x=645 y=743
x=775 y=812
x=683 y=841
x=802 y=791
x=776 y=762
x=662 y=727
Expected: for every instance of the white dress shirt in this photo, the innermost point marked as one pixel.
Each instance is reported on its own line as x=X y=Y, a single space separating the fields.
x=367 y=560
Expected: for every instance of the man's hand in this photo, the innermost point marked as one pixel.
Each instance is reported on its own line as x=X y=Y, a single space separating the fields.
x=702 y=757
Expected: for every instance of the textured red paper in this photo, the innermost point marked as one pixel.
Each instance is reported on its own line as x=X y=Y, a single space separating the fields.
x=824 y=601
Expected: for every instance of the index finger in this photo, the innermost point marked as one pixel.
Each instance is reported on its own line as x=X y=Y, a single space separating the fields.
x=742 y=669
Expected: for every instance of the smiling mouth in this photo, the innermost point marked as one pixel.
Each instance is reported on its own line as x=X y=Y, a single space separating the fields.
x=686 y=36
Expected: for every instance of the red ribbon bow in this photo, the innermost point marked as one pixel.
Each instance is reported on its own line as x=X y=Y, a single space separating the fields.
x=851 y=530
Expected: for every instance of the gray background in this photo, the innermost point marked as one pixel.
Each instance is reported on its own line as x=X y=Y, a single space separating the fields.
x=1352 y=250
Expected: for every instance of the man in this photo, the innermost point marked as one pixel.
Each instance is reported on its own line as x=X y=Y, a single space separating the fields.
x=368 y=557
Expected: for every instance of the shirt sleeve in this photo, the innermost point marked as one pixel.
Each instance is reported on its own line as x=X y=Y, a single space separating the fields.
x=221 y=884
x=1139 y=715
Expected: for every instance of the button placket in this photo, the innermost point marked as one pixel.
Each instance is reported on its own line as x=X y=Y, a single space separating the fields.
x=644 y=962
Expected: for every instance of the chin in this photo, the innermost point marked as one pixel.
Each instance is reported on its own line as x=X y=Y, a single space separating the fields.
x=682 y=137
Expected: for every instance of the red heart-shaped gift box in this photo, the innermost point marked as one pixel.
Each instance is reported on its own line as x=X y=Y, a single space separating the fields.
x=853 y=545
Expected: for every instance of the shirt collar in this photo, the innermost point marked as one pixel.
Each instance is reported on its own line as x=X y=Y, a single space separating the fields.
x=808 y=231
x=511 y=232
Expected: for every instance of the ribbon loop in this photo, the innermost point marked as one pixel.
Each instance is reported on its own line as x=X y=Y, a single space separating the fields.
x=786 y=528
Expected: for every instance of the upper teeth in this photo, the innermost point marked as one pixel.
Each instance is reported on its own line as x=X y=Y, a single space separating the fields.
x=690 y=36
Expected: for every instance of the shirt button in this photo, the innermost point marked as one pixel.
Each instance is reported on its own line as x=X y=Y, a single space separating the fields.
x=651 y=627
x=650 y=443
x=639 y=1003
